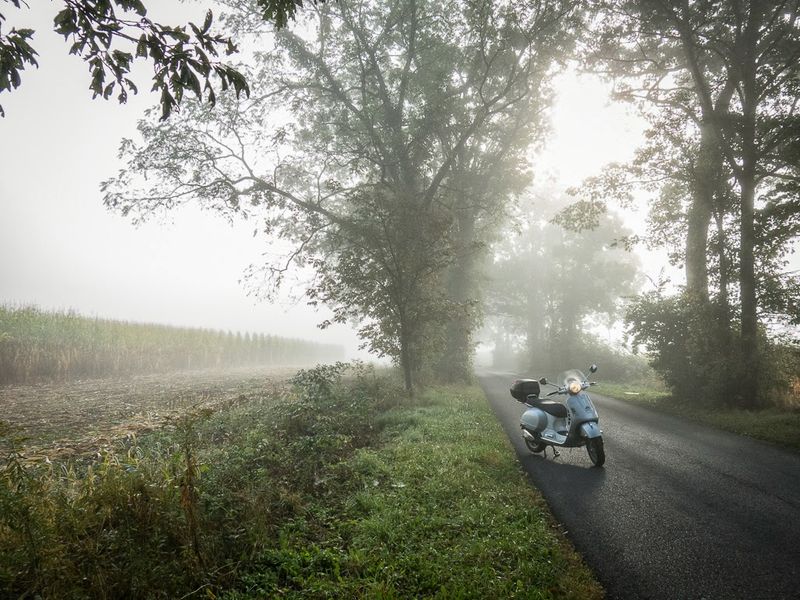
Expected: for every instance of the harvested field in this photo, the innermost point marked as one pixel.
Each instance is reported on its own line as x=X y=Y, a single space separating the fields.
x=81 y=417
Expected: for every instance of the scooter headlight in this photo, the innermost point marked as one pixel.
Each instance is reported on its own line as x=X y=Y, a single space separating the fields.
x=574 y=387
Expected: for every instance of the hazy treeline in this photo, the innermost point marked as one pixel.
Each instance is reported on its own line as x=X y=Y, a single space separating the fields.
x=37 y=345
x=405 y=135
x=552 y=291
x=407 y=132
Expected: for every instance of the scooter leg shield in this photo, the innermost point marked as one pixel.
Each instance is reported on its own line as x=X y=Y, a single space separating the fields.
x=590 y=430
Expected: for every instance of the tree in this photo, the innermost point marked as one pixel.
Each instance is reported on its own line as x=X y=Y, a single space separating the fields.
x=549 y=281
x=383 y=103
x=111 y=34
x=485 y=175
x=726 y=73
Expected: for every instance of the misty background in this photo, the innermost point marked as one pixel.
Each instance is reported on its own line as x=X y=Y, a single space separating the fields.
x=62 y=249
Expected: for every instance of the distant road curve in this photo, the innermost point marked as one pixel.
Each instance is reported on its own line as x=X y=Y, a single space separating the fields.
x=680 y=511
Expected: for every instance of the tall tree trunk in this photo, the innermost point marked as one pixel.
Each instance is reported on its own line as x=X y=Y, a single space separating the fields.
x=455 y=366
x=406 y=358
x=723 y=300
x=747 y=290
x=747 y=183
x=706 y=177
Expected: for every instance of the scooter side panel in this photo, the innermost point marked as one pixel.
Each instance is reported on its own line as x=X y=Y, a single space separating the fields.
x=534 y=419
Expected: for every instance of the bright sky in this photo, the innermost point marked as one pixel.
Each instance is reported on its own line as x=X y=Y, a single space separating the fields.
x=588 y=130
x=61 y=248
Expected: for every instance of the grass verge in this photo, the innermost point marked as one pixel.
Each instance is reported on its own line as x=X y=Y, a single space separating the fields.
x=440 y=509
x=339 y=489
x=775 y=425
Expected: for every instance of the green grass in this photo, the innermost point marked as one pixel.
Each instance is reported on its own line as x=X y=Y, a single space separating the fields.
x=441 y=510
x=641 y=393
x=338 y=488
x=780 y=426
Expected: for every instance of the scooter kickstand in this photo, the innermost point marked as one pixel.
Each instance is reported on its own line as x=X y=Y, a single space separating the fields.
x=556 y=453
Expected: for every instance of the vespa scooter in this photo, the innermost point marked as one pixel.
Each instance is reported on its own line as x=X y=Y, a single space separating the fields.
x=558 y=424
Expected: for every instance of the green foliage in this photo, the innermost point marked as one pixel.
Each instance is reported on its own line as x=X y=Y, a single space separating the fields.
x=697 y=354
x=442 y=510
x=15 y=54
x=336 y=488
x=183 y=56
x=36 y=345
x=686 y=347
x=281 y=12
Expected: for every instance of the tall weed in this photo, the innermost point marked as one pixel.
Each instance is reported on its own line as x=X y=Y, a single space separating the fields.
x=186 y=507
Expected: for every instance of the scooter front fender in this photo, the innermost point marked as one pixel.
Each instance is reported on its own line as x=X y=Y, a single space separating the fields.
x=590 y=430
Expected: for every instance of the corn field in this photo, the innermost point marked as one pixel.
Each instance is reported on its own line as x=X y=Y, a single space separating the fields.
x=37 y=345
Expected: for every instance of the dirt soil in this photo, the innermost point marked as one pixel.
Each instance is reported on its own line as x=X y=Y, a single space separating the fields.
x=79 y=417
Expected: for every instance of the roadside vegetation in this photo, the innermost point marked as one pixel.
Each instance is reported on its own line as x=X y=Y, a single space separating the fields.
x=335 y=486
x=38 y=345
x=779 y=424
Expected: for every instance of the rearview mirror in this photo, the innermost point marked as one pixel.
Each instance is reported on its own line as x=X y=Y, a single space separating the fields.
x=543 y=381
x=593 y=369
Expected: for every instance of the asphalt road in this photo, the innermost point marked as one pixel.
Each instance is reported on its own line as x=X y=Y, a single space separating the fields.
x=679 y=511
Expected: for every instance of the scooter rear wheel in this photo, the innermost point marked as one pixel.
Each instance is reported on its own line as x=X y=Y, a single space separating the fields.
x=597 y=454
x=535 y=446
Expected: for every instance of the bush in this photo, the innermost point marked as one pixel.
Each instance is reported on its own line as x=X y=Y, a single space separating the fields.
x=697 y=351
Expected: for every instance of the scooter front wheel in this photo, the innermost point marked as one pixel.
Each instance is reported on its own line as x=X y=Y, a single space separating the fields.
x=597 y=454
x=535 y=446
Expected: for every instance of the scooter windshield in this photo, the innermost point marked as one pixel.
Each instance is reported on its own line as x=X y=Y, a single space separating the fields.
x=572 y=375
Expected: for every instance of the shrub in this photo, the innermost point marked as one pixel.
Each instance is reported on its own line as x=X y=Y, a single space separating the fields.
x=698 y=352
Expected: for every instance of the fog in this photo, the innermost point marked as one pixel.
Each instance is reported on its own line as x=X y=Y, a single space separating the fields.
x=62 y=249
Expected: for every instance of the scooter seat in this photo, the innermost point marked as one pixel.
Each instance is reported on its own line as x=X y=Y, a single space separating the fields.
x=558 y=410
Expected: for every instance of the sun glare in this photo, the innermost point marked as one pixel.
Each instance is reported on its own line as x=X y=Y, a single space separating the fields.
x=589 y=130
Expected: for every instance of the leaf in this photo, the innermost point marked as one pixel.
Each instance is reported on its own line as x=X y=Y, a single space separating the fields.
x=207 y=22
x=194 y=84
x=167 y=102
x=156 y=52
x=123 y=59
x=64 y=22
x=141 y=47
x=98 y=76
